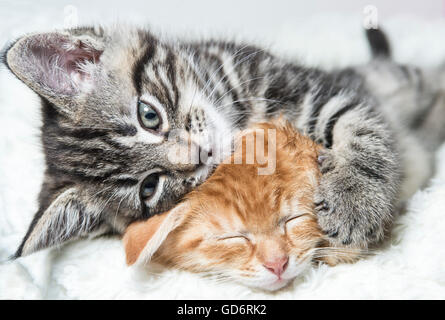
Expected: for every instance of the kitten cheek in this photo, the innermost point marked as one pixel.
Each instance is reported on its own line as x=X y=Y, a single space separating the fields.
x=228 y=254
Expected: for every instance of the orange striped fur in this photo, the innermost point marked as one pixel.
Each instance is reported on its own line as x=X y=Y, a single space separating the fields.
x=241 y=225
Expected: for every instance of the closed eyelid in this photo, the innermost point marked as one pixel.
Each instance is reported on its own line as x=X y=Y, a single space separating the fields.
x=231 y=236
x=285 y=219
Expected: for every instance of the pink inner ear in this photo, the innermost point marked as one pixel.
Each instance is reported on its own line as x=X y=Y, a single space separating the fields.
x=62 y=64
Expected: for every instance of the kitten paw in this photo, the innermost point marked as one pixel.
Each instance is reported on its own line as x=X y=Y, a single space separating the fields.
x=326 y=161
x=350 y=212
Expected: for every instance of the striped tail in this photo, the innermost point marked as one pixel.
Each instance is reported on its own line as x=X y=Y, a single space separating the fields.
x=378 y=42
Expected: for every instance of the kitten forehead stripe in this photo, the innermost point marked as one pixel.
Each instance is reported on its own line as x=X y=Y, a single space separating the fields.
x=139 y=67
x=170 y=62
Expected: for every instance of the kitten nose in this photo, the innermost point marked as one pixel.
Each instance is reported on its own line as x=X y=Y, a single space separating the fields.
x=277 y=266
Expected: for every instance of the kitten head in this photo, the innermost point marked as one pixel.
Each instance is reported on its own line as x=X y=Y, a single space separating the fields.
x=112 y=101
x=259 y=230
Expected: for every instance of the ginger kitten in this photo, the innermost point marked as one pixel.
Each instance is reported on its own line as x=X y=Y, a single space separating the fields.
x=259 y=230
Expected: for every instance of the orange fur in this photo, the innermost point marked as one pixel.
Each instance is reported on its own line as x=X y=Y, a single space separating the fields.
x=140 y=232
x=236 y=221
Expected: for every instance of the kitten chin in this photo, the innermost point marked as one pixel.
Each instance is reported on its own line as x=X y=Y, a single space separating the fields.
x=259 y=230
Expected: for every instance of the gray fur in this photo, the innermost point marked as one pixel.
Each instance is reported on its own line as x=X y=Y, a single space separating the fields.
x=97 y=154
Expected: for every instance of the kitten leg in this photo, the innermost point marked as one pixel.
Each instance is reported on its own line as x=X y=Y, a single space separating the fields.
x=360 y=177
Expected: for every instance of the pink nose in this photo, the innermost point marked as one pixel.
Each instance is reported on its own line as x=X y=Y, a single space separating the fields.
x=277 y=266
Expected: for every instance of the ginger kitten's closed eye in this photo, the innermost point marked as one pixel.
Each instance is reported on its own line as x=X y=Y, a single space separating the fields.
x=259 y=230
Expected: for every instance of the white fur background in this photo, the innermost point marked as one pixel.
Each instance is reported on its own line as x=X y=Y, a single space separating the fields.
x=412 y=265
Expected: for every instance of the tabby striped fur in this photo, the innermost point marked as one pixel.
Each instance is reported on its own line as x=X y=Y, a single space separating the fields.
x=369 y=118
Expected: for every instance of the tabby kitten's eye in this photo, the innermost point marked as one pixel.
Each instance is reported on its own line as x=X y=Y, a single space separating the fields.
x=149 y=186
x=148 y=116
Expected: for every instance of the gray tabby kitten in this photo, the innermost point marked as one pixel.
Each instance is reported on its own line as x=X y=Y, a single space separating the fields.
x=110 y=96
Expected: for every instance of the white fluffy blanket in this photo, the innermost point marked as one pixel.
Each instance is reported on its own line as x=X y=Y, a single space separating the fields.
x=411 y=266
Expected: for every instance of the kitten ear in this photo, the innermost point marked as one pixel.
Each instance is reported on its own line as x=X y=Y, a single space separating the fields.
x=143 y=238
x=68 y=217
x=56 y=65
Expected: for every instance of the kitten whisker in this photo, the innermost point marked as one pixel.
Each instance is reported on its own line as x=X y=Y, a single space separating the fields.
x=102 y=190
x=212 y=76
x=119 y=205
x=346 y=249
x=232 y=70
x=248 y=100
x=236 y=87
